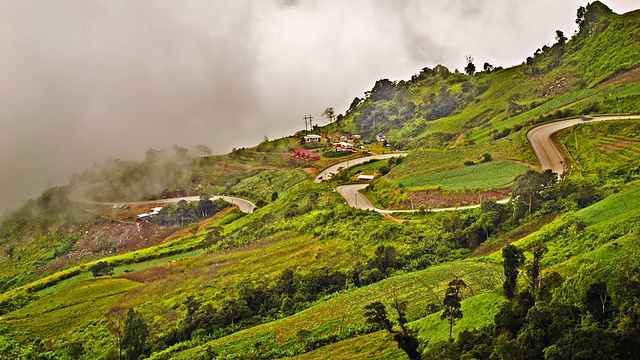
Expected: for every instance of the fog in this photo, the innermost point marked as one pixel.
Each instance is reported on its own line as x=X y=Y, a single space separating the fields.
x=84 y=80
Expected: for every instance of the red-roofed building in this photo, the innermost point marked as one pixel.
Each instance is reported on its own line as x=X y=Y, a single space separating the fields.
x=306 y=154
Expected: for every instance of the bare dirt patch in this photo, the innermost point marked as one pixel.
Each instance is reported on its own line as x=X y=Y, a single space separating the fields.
x=609 y=148
x=443 y=199
x=631 y=76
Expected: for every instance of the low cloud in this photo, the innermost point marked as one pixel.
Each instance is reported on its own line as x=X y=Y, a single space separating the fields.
x=86 y=80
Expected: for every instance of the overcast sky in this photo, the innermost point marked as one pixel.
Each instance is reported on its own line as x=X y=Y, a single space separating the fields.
x=83 y=80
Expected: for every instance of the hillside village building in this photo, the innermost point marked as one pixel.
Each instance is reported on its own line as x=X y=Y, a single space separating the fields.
x=343 y=146
x=312 y=138
x=306 y=154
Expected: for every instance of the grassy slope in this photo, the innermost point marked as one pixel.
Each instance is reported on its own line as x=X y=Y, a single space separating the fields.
x=569 y=251
x=158 y=287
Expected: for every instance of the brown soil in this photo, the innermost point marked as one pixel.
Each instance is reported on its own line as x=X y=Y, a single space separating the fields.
x=631 y=76
x=444 y=199
x=609 y=148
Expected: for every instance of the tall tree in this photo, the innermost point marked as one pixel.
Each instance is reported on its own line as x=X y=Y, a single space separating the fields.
x=533 y=270
x=513 y=258
x=329 y=113
x=134 y=335
x=470 y=69
x=115 y=325
x=452 y=303
x=581 y=17
x=406 y=341
x=560 y=38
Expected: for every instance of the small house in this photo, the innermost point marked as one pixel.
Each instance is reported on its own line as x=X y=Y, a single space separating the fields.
x=312 y=138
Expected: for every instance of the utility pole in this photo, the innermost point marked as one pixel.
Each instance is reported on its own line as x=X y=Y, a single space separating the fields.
x=305 y=122
x=310 y=123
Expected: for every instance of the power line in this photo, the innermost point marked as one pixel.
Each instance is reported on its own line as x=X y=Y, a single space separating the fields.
x=308 y=119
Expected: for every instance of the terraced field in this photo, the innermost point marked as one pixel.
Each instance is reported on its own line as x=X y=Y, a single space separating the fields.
x=484 y=176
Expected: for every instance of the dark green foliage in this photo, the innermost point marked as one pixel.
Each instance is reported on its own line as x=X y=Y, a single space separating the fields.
x=405 y=339
x=598 y=302
x=452 y=303
x=376 y=316
x=45 y=284
x=528 y=187
x=533 y=270
x=560 y=38
x=102 y=268
x=134 y=336
x=513 y=313
x=585 y=344
x=16 y=302
x=470 y=69
x=513 y=258
x=186 y=213
x=549 y=282
x=409 y=344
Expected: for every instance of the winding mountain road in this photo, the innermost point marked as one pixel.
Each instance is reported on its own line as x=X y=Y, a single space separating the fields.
x=546 y=150
x=79 y=195
x=327 y=173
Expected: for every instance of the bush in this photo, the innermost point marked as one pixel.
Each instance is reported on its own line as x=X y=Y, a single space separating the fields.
x=102 y=268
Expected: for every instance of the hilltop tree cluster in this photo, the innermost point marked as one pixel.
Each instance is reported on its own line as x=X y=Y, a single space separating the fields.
x=185 y=213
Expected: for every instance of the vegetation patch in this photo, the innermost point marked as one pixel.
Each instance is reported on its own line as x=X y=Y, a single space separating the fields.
x=483 y=176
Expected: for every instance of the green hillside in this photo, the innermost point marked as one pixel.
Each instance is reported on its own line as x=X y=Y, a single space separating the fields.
x=298 y=277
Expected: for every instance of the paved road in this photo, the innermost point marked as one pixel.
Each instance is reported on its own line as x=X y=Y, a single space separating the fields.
x=80 y=195
x=334 y=169
x=547 y=152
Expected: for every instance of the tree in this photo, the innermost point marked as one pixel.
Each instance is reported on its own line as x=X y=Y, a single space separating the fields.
x=488 y=67
x=205 y=206
x=409 y=344
x=533 y=270
x=329 y=113
x=560 y=38
x=181 y=152
x=356 y=101
x=581 y=17
x=406 y=341
x=376 y=315
x=102 y=268
x=115 y=326
x=385 y=258
x=513 y=258
x=598 y=302
x=527 y=187
x=451 y=303
x=193 y=227
x=470 y=69
x=203 y=150
x=134 y=335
